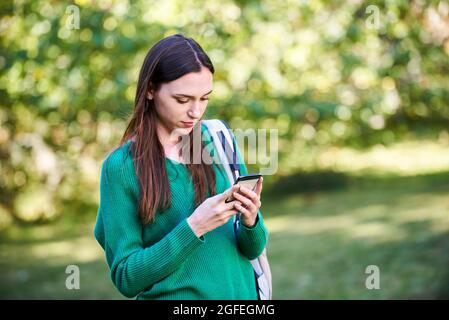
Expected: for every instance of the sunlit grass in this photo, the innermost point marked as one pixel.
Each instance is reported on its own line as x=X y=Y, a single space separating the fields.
x=403 y=158
x=406 y=158
x=320 y=248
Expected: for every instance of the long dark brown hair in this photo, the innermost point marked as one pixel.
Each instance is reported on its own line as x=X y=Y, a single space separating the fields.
x=168 y=60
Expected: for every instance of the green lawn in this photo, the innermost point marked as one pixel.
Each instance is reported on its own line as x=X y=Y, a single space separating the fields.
x=320 y=244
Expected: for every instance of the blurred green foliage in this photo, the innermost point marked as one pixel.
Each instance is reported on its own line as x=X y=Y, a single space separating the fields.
x=322 y=72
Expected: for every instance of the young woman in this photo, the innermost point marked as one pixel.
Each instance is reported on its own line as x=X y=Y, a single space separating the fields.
x=163 y=221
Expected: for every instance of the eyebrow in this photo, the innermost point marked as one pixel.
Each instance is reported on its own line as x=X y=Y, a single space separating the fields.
x=187 y=96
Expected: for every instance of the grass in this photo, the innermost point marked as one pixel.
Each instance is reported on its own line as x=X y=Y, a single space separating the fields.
x=388 y=207
x=34 y=258
x=320 y=245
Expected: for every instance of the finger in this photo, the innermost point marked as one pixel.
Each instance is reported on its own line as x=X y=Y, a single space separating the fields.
x=249 y=194
x=249 y=204
x=228 y=193
x=242 y=210
x=259 y=186
x=230 y=205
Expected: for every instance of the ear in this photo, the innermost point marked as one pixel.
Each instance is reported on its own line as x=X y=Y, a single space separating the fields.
x=150 y=93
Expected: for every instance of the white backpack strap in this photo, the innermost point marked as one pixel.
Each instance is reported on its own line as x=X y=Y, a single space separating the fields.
x=227 y=152
x=228 y=142
x=225 y=147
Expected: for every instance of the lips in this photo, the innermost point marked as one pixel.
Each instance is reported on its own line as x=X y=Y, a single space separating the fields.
x=188 y=124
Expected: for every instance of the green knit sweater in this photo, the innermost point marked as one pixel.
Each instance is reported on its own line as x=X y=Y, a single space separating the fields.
x=165 y=259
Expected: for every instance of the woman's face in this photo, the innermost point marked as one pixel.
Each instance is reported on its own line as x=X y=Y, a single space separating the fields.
x=182 y=100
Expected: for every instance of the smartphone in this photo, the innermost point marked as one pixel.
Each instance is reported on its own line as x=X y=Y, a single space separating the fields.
x=249 y=181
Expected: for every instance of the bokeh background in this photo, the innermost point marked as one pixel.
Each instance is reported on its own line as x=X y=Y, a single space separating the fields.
x=359 y=91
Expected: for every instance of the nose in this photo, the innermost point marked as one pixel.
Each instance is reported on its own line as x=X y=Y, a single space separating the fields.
x=195 y=111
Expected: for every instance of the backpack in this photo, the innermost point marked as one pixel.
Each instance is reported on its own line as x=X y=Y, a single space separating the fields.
x=224 y=143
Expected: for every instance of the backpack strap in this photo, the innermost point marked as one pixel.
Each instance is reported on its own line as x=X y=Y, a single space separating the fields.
x=226 y=136
x=224 y=143
x=225 y=146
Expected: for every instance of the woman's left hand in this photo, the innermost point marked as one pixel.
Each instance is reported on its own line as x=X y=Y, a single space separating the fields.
x=250 y=203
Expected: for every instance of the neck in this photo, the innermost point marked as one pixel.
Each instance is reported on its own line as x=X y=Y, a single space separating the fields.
x=170 y=140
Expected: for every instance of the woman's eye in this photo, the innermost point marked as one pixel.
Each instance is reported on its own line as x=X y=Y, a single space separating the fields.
x=185 y=101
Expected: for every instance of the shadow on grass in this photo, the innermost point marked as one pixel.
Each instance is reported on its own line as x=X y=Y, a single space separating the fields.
x=305 y=191
x=320 y=181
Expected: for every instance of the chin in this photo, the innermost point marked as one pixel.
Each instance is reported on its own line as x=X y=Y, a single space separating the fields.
x=182 y=130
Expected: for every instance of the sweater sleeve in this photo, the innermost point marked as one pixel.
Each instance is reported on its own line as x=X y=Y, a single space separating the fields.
x=250 y=240
x=134 y=267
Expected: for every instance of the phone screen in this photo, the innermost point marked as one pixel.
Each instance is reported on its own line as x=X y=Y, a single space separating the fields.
x=248 y=181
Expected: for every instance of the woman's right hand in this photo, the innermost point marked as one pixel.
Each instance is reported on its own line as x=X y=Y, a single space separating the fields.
x=213 y=212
